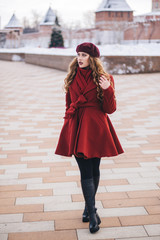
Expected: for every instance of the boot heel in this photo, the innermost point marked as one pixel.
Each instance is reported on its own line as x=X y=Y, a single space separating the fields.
x=85 y=219
x=93 y=225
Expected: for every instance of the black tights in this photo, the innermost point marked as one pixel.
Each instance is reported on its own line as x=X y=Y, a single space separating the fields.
x=89 y=168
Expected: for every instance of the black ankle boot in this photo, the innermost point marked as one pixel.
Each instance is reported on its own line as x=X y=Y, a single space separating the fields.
x=85 y=216
x=88 y=189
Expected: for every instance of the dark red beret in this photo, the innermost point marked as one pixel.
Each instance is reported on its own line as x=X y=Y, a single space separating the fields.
x=89 y=48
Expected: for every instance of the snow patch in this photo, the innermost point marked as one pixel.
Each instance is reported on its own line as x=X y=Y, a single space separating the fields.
x=16 y=58
x=142 y=49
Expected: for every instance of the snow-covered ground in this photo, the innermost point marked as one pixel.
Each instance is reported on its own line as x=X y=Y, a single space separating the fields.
x=150 y=49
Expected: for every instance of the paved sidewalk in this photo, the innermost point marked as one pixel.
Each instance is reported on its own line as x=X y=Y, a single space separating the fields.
x=40 y=194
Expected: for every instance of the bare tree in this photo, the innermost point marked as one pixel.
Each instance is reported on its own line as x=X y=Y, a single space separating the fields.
x=70 y=29
x=36 y=18
x=25 y=22
x=89 y=19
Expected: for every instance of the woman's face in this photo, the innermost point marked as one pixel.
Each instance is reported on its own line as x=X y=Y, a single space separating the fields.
x=83 y=59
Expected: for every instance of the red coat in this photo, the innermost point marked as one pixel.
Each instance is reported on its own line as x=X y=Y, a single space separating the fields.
x=87 y=129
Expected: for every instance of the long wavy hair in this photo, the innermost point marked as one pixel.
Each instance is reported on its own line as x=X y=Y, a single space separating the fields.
x=97 y=70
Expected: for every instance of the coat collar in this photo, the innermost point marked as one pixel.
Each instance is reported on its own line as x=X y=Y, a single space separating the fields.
x=82 y=86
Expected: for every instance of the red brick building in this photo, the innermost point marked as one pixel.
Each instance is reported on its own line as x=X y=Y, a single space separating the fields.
x=111 y=18
x=146 y=27
x=114 y=23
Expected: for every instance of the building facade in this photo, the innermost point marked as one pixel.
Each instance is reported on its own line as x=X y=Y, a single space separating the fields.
x=12 y=36
x=114 y=23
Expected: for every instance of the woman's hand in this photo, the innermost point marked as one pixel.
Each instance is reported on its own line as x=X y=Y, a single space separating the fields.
x=103 y=82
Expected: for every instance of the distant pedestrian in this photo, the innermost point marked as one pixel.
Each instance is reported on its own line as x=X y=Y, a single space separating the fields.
x=87 y=132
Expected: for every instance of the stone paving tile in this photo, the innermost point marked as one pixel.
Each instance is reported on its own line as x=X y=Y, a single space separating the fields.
x=56 y=235
x=29 y=193
x=8 y=176
x=20 y=181
x=50 y=164
x=67 y=191
x=153 y=209
x=141 y=238
x=132 y=187
x=153 y=230
x=119 y=176
x=28 y=170
x=16 y=166
x=6 y=201
x=123 y=211
x=13 y=188
x=67 y=206
x=107 y=233
x=43 y=200
x=139 y=220
x=31 y=175
x=26 y=227
x=48 y=216
x=10 y=218
x=113 y=182
x=21 y=208
x=142 y=194
x=78 y=224
x=131 y=202
x=50 y=185
x=144 y=180
x=58 y=179
x=3 y=236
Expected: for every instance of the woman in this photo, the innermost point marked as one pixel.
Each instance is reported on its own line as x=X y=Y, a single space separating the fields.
x=87 y=132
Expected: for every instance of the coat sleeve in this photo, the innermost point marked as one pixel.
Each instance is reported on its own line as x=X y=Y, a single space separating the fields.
x=68 y=100
x=109 y=100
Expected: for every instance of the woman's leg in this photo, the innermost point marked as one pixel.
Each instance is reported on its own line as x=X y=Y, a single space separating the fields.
x=96 y=178
x=89 y=168
x=85 y=167
x=88 y=188
x=96 y=172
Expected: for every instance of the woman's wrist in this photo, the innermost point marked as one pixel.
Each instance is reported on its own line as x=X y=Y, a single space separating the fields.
x=104 y=83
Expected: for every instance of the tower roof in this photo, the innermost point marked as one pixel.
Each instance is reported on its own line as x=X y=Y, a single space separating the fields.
x=13 y=22
x=114 y=5
x=155 y=5
x=50 y=18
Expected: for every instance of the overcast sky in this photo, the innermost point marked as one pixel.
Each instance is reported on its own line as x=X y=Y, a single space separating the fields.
x=68 y=10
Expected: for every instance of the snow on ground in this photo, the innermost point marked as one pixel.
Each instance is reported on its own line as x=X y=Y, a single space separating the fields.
x=150 y=49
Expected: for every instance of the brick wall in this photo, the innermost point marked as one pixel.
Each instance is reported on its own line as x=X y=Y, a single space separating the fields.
x=112 y=64
x=12 y=56
x=53 y=61
x=143 y=31
x=131 y=64
x=109 y=16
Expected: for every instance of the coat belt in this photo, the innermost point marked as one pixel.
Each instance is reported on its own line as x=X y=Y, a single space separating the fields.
x=81 y=102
